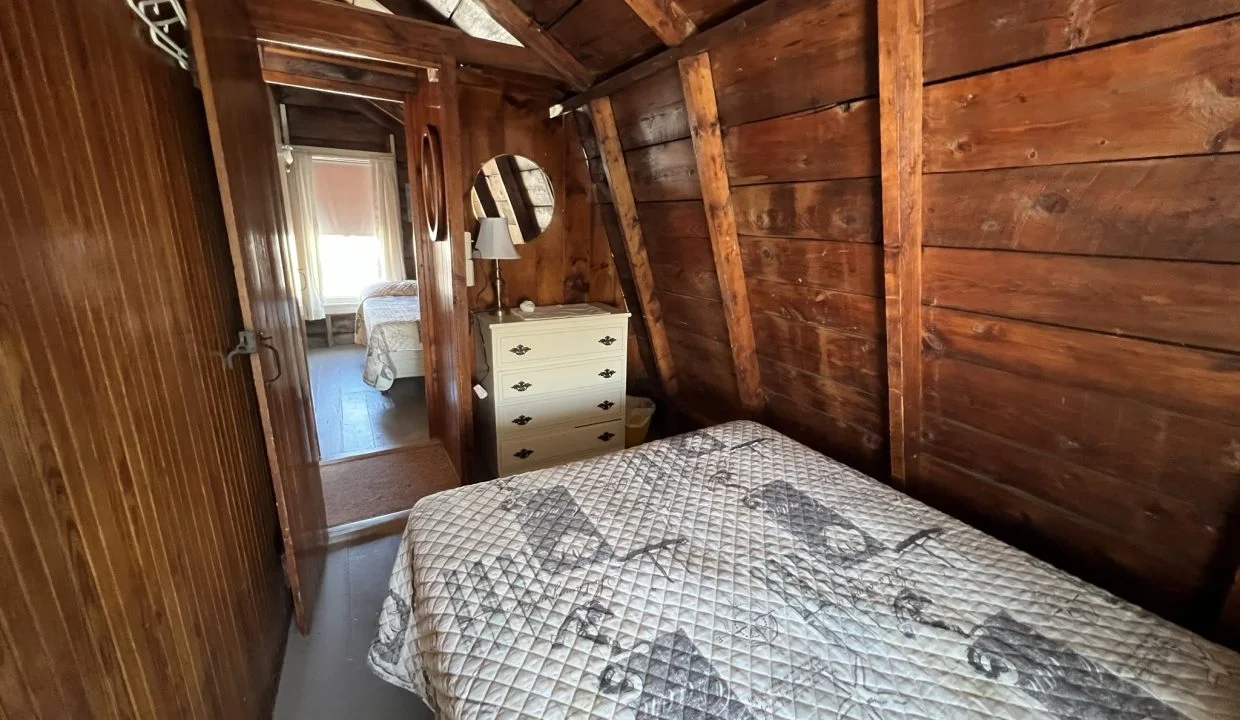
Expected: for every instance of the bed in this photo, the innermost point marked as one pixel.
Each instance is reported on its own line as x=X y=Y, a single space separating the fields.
x=734 y=573
x=389 y=325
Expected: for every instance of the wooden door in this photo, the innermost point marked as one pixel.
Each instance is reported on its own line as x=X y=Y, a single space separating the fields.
x=243 y=140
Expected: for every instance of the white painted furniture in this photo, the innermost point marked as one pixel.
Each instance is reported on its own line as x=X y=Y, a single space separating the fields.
x=555 y=382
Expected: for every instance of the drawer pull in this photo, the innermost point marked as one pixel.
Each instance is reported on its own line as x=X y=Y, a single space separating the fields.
x=523 y=453
x=606 y=405
x=607 y=373
x=606 y=436
x=608 y=341
x=519 y=350
x=523 y=420
x=522 y=386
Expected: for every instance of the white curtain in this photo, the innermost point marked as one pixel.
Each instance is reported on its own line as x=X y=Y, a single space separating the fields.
x=387 y=212
x=306 y=233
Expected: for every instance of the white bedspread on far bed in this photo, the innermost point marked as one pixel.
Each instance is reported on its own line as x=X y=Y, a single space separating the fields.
x=734 y=573
x=393 y=328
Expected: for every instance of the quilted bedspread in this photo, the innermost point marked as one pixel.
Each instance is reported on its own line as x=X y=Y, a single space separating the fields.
x=734 y=573
x=393 y=324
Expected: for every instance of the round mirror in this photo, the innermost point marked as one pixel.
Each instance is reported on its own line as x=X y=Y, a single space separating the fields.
x=517 y=189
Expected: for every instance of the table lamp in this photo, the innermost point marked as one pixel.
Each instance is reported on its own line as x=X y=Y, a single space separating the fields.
x=495 y=243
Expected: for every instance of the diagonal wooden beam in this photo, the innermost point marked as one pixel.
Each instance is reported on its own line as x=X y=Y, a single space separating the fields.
x=699 y=87
x=630 y=225
x=393 y=113
x=531 y=34
x=760 y=16
x=665 y=18
x=518 y=198
x=378 y=114
x=347 y=30
x=900 y=80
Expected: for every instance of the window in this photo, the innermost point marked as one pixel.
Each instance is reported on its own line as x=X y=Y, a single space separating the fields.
x=350 y=252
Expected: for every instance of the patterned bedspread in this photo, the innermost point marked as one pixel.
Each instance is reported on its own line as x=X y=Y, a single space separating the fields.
x=734 y=573
x=393 y=324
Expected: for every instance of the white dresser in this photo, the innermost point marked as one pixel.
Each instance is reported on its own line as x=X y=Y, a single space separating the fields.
x=555 y=382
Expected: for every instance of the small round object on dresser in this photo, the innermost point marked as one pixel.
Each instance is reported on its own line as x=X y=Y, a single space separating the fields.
x=527 y=306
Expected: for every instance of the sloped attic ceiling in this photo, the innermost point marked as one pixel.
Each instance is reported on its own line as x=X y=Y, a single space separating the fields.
x=464 y=14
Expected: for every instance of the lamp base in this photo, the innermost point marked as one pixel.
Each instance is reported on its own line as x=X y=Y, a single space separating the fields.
x=499 y=292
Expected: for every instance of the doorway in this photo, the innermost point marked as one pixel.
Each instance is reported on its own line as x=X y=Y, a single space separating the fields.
x=346 y=189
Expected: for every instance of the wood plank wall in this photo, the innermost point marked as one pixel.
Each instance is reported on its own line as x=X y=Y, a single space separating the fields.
x=1082 y=355
x=1081 y=278
x=800 y=130
x=139 y=571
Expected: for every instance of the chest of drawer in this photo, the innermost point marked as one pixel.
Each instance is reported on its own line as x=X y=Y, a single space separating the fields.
x=535 y=414
x=530 y=452
x=520 y=383
x=522 y=347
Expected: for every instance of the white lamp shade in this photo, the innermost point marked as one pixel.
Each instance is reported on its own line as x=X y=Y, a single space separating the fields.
x=494 y=242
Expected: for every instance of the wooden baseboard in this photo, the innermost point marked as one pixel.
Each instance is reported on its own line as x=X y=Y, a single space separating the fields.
x=360 y=530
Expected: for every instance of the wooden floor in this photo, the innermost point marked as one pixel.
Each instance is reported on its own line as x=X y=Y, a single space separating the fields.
x=359 y=488
x=325 y=676
x=356 y=418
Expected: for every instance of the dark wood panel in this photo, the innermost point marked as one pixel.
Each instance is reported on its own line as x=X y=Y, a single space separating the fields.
x=545 y=12
x=840 y=401
x=1105 y=104
x=138 y=574
x=664 y=172
x=698 y=283
x=856 y=447
x=1158 y=524
x=1196 y=382
x=836 y=142
x=672 y=221
x=651 y=111
x=1180 y=456
x=1069 y=542
x=964 y=36
x=1179 y=302
x=704 y=11
x=690 y=251
x=527 y=31
x=845 y=266
x=829 y=210
x=342 y=74
x=821 y=55
x=326 y=127
x=694 y=315
x=603 y=34
x=858 y=314
x=848 y=359
x=705 y=365
x=1173 y=208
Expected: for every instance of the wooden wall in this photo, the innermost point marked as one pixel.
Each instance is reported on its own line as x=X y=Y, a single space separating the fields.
x=1080 y=353
x=139 y=571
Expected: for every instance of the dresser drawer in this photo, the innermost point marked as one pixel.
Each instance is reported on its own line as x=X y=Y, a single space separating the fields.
x=529 y=452
x=606 y=403
x=523 y=347
x=518 y=384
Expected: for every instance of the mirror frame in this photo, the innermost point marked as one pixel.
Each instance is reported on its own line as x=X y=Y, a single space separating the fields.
x=434 y=205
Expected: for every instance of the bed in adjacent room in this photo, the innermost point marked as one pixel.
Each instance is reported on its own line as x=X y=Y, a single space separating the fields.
x=734 y=573
x=389 y=325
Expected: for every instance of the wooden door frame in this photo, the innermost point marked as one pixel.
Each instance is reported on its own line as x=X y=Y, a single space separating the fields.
x=434 y=103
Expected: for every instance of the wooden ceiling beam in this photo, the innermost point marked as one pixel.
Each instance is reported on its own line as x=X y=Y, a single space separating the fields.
x=760 y=16
x=699 y=87
x=346 y=76
x=341 y=29
x=522 y=27
x=900 y=103
x=630 y=225
x=665 y=19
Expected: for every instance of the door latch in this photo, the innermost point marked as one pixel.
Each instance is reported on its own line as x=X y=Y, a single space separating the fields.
x=247 y=344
